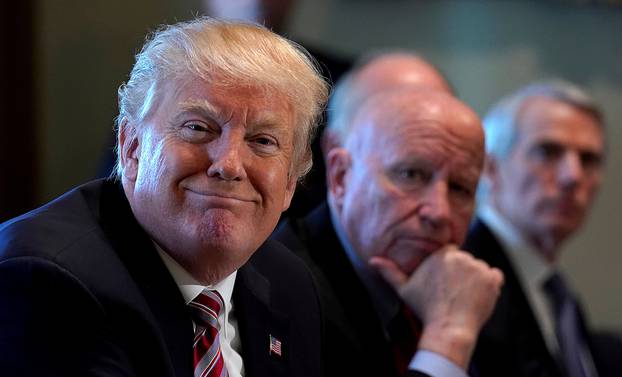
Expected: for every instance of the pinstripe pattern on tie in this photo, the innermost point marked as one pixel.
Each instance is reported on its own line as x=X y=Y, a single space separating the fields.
x=208 y=361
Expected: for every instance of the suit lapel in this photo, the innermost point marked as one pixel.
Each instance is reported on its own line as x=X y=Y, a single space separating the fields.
x=512 y=330
x=161 y=294
x=258 y=322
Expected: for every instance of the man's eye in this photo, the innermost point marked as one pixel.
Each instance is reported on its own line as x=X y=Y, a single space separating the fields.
x=196 y=127
x=265 y=141
x=590 y=160
x=264 y=144
x=412 y=173
x=409 y=173
x=461 y=189
x=196 y=132
x=411 y=176
x=548 y=151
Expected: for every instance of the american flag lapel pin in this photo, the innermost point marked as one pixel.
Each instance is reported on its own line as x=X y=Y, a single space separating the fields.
x=275 y=346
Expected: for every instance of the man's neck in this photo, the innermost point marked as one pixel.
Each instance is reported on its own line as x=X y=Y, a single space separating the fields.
x=547 y=245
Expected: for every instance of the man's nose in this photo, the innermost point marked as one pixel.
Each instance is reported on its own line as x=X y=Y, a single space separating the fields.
x=435 y=209
x=226 y=158
x=569 y=170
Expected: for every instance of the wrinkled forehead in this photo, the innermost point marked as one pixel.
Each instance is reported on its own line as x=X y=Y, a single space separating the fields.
x=254 y=106
x=195 y=89
x=419 y=116
x=425 y=142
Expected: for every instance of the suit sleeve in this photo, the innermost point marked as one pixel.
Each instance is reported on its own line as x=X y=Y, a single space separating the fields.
x=51 y=325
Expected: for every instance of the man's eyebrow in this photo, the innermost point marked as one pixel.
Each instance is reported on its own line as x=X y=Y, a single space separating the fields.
x=201 y=107
x=269 y=121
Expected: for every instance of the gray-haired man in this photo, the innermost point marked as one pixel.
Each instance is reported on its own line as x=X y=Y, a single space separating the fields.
x=545 y=151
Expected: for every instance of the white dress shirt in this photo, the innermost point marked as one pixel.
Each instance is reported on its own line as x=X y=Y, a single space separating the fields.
x=229 y=340
x=387 y=303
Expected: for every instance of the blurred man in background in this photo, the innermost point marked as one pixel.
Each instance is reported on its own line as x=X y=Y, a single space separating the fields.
x=545 y=151
x=397 y=296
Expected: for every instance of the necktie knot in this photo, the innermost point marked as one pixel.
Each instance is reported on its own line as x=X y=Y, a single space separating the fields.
x=206 y=308
x=557 y=291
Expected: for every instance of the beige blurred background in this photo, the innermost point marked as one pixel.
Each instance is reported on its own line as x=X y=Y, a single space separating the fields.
x=84 y=50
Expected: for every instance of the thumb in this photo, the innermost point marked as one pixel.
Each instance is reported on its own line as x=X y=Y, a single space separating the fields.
x=389 y=271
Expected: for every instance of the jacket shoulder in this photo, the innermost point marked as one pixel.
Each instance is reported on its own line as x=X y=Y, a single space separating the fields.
x=52 y=228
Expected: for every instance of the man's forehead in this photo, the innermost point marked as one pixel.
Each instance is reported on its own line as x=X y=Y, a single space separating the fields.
x=423 y=137
x=549 y=118
x=424 y=119
x=543 y=110
x=416 y=103
x=215 y=98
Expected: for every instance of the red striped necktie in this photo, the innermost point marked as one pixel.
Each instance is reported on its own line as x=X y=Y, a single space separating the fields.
x=208 y=361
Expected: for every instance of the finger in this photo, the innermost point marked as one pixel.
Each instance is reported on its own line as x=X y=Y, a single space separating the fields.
x=389 y=271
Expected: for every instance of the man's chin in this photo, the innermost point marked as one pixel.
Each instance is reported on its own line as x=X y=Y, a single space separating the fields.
x=564 y=231
x=552 y=234
x=216 y=225
x=409 y=265
x=564 y=226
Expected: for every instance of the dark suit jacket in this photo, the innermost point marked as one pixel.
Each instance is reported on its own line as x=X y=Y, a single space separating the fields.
x=510 y=343
x=354 y=341
x=83 y=292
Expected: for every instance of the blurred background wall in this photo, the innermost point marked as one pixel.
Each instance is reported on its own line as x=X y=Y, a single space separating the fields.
x=83 y=50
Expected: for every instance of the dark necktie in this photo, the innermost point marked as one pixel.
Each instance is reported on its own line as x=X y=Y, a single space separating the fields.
x=208 y=361
x=569 y=329
x=404 y=331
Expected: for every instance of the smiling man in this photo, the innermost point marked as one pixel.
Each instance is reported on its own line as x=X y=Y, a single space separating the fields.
x=545 y=152
x=164 y=271
x=398 y=297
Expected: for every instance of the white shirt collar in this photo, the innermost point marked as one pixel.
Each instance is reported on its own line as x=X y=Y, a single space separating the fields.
x=190 y=287
x=533 y=268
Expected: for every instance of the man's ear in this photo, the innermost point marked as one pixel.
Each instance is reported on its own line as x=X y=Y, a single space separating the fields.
x=338 y=163
x=328 y=141
x=129 y=149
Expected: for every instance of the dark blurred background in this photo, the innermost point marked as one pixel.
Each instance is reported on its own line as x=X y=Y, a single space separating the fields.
x=62 y=61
